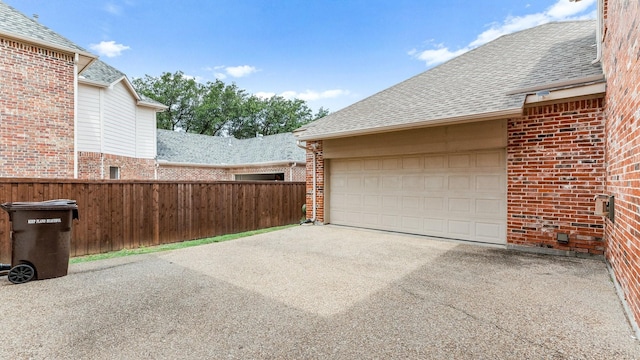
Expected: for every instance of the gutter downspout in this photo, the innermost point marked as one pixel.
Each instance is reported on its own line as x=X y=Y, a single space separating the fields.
x=293 y=165
x=76 y=59
x=313 y=208
x=599 y=32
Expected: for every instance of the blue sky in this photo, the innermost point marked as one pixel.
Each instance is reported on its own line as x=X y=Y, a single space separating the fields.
x=330 y=53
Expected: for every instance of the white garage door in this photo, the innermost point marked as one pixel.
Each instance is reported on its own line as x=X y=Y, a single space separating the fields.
x=456 y=195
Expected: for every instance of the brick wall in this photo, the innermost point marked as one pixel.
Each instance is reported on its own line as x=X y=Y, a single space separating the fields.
x=95 y=166
x=555 y=166
x=36 y=112
x=621 y=62
x=210 y=173
x=315 y=146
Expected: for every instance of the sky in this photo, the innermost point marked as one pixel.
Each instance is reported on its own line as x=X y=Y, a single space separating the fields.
x=330 y=53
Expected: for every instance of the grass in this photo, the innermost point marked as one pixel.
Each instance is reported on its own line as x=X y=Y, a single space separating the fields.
x=172 y=246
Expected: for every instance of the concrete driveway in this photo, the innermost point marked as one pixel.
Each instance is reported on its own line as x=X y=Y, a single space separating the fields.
x=316 y=292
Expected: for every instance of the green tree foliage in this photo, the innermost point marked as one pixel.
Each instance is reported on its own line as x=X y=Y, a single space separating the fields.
x=181 y=94
x=218 y=109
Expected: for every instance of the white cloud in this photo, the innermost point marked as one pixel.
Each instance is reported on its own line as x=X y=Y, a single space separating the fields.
x=113 y=9
x=109 y=48
x=240 y=71
x=562 y=10
x=264 y=95
x=438 y=55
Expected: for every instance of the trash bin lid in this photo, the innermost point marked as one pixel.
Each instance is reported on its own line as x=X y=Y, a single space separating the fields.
x=59 y=204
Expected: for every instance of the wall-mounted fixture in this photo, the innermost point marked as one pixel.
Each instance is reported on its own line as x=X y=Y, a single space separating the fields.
x=602 y=205
x=562 y=238
x=543 y=93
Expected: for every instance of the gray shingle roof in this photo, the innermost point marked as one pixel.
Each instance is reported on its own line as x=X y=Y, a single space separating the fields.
x=477 y=82
x=13 y=22
x=181 y=147
x=102 y=72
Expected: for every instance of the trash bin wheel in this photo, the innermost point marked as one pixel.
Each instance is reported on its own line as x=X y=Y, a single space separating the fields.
x=21 y=274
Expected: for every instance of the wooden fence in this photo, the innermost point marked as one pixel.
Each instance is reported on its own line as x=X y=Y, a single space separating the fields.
x=115 y=215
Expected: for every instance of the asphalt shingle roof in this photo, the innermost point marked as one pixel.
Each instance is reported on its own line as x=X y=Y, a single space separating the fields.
x=181 y=147
x=14 y=22
x=479 y=81
x=102 y=72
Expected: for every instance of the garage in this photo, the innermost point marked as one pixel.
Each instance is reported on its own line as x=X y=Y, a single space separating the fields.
x=455 y=194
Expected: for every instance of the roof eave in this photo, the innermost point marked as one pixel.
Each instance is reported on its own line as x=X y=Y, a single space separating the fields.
x=158 y=106
x=516 y=111
x=563 y=94
x=85 y=58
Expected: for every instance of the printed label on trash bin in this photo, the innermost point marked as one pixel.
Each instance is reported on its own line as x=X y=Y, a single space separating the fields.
x=44 y=221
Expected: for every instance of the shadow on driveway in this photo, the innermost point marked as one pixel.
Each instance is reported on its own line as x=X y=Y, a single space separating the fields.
x=322 y=292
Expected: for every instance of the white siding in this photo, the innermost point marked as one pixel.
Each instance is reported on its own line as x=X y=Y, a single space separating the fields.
x=146 y=133
x=89 y=138
x=119 y=121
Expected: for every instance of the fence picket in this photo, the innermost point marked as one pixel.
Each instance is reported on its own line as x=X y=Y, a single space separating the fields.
x=129 y=214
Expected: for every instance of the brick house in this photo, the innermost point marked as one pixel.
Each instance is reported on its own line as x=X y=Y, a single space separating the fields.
x=183 y=156
x=510 y=143
x=64 y=113
x=37 y=98
x=116 y=136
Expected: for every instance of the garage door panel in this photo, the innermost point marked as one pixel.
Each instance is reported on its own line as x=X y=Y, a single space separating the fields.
x=434 y=162
x=459 y=228
x=411 y=203
x=489 y=207
x=491 y=159
x=457 y=195
x=371 y=164
x=460 y=205
x=371 y=201
x=371 y=183
x=391 y=183
x=459 y=161
x=459 y=182
x=412 y=163
x=413 y=183
x=390 y=164
x=434 y=226
x=489 y=183
x=390 y=222
x=434 y=204
x=412 y=223
x=434 y=182
x=488 y=230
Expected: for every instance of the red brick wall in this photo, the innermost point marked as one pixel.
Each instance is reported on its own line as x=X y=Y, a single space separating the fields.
x=555 y=166
x=95 y=166
x=36 y=108
x=621 y=62
x=211 y=173
x=315 y=146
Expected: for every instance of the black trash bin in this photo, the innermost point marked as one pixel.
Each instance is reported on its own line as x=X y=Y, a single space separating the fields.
x=40 y=238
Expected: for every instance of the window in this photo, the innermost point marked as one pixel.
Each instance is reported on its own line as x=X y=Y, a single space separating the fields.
x=114 y=172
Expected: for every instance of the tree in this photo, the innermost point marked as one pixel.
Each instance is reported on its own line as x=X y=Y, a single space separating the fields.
x=220 y=105
x=181 y=94
x=218 y=109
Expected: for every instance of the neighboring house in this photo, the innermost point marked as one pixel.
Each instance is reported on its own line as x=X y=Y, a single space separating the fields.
x=185 y=156
x=116 y=126
x=510 y=143
x=66 y=114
